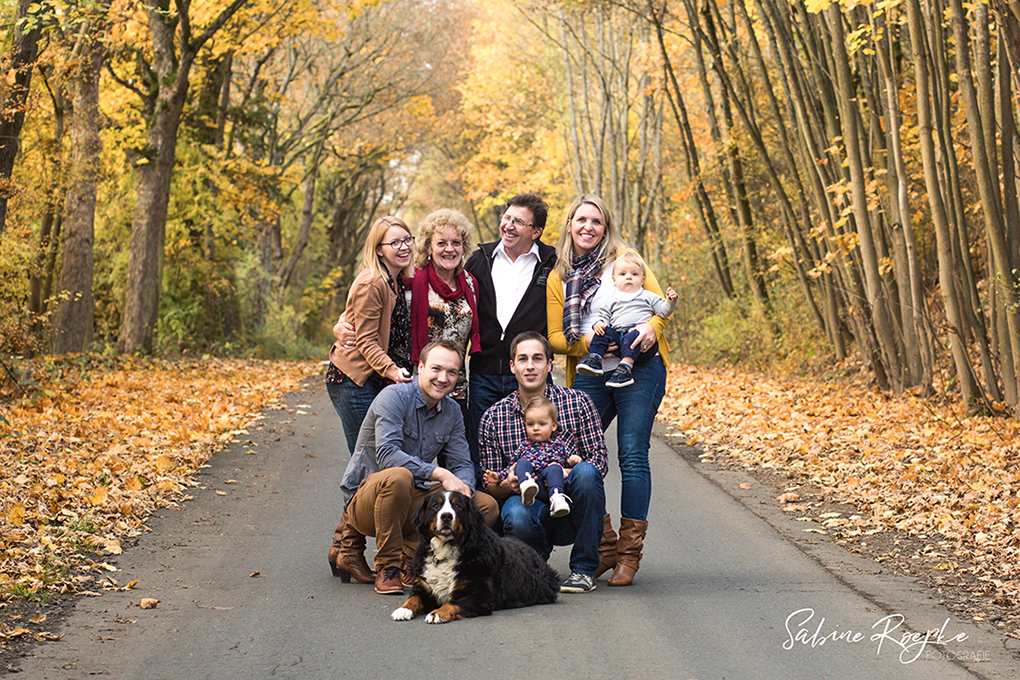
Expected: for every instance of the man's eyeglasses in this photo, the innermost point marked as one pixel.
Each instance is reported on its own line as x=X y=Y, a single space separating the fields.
x=515 y=222
x=398 y=242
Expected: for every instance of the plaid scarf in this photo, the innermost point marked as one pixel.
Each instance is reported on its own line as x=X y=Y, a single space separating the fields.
x=581 y=285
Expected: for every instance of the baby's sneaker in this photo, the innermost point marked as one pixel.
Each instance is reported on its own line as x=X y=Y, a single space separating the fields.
x=559 y=504
x=621 y=377
x=529 y=489
x=591 y=365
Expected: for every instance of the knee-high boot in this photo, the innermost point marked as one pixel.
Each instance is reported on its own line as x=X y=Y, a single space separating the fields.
x=347 y=554
x=628 y=546
x=607 y=547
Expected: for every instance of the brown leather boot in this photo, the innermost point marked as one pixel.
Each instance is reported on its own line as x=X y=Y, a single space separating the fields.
x=607 y=547
x=628 y=546
x=347 y=554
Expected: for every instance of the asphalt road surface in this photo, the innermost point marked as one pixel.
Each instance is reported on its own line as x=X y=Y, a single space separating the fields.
x=245 y=591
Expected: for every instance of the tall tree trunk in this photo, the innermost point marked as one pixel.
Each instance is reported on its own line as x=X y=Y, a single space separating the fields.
x=703 y=202
x=917 y=327
x=72 y=322
x=964 y=373
x=148 y=226
x=18 y=64
x=1001 y=274
x=862 y=218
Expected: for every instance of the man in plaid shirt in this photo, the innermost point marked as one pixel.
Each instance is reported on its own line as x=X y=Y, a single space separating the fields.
x=502 y=430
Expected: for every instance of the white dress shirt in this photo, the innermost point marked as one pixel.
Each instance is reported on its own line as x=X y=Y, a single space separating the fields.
x=511 y=279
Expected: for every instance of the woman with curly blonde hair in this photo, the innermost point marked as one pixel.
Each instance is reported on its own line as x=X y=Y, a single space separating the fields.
x=444 y=297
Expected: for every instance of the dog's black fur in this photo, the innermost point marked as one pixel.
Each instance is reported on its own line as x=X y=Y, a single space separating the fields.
x=462 y=568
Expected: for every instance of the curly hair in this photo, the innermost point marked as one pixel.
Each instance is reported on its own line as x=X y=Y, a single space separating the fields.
x=433 y=222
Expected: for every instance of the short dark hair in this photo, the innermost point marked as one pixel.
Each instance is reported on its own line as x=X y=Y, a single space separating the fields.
x=534 y=203
x=531 y=335
x=445 y=344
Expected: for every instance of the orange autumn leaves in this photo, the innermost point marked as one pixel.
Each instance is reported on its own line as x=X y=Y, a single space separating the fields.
x=906 y=464
x=88 y=459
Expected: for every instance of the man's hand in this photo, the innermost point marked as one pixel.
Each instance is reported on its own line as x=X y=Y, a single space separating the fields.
x=451 y=482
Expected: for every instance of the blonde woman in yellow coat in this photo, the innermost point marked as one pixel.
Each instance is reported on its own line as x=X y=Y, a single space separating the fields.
x=579 y=287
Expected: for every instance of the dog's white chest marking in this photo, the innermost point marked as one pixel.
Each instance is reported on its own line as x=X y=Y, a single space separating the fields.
x=438 y=574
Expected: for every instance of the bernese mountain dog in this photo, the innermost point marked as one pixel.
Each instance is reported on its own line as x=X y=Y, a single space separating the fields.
x=462 y=568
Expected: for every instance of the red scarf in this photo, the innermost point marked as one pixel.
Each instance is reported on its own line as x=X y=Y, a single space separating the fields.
x=428 y=278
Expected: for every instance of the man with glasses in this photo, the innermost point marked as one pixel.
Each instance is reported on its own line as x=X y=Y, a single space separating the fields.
x=520 y=264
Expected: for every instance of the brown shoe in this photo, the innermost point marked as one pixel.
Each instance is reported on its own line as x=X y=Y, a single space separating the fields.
x=387 y=581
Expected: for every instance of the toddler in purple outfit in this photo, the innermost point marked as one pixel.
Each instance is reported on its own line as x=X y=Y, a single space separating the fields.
x=540 y=459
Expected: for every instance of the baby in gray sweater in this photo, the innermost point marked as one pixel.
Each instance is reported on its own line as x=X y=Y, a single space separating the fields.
x=632 y=305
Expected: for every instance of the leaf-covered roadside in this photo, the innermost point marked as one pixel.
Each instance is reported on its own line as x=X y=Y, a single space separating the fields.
x=904 y=463
x=94 y=450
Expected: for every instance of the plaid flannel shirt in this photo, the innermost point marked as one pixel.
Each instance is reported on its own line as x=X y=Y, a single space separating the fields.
x=502 y=429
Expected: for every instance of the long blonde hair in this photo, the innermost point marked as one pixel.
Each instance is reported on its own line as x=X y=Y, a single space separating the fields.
x=612 y=239
x=433 y=222
x=370 y=259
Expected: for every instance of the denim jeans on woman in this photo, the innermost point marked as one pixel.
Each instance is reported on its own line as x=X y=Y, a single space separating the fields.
x=351 y=402
x=634 y=408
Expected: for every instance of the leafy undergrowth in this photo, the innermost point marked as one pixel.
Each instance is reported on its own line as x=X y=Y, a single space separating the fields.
x=89 y=452
x=904 y=463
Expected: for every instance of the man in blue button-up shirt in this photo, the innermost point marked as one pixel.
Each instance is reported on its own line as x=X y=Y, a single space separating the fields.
x=408 y=429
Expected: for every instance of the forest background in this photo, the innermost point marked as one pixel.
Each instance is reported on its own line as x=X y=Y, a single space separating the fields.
x=831 y=188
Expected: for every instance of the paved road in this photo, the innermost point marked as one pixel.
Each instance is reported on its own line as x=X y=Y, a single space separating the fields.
x=246 y=593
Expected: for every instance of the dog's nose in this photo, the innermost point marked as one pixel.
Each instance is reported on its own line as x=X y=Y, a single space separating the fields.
x=446 y=517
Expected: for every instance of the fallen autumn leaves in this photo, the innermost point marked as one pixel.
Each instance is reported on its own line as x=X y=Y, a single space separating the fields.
x=902 y=462
x=87 y=458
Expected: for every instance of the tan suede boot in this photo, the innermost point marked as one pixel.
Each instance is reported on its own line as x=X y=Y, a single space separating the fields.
x=628 y=546
x=347 y=554
x=607 y=547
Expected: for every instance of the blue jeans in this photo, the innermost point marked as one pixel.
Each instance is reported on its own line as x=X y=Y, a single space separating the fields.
x=636 y=406
x=549 y=478
x=351 y=402
x=623 y=339
x=582 y=527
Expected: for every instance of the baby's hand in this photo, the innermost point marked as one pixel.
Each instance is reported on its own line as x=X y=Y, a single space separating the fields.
x=671 y=294
x=599 y=328
x=490 y=477
x=574 y=460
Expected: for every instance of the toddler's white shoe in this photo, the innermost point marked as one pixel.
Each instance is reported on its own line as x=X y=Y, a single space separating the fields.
x=529 y=489
x=559 y=505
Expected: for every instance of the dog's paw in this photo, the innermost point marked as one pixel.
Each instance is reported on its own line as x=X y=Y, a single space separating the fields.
x=436 y=617
x=402 y=614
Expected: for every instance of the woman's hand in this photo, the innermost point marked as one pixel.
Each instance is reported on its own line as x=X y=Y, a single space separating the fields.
x=645 y=338
x=397 y=374
x=344 y=332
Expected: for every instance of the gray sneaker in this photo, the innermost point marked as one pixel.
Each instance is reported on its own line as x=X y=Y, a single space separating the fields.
x=578 y=583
